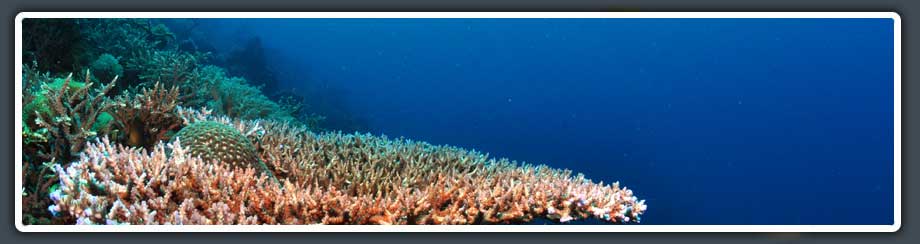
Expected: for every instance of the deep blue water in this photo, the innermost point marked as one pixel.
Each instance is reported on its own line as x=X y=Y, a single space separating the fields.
x=712 y=121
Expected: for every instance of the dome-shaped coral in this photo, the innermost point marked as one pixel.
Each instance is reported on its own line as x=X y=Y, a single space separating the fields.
x=215 y=141
x=106 y=67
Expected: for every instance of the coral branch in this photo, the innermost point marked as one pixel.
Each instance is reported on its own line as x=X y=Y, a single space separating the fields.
x=145 y=118
x=72 y=115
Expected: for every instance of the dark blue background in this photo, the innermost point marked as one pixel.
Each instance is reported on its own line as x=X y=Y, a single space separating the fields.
x=712 y=121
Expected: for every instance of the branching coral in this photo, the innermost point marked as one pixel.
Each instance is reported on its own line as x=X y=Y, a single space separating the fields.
x=123 y=37
x=72 y=115
x=59 y=116
x=33 y=101
x=234 y=97
x=64 y=44
x=171 y=67
x=146 y=118
x=141 y=188
x=330 y=178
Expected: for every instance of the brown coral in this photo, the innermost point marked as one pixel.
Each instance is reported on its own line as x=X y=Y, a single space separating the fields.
x=147 y=117
x=330 y=178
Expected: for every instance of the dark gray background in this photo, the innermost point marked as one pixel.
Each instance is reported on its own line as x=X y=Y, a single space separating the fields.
x=909 y=232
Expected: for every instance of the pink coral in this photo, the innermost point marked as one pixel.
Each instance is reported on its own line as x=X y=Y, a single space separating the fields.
x=329 y=178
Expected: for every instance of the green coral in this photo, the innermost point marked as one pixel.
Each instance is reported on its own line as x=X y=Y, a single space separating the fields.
x=170 y=67
x=41 y=106
x=40 y=103
x=95 y=44
x=72 y=86
x=240 y=100
x=118 y=37
x=235 y=97
x=103 y=122
x=106 y=67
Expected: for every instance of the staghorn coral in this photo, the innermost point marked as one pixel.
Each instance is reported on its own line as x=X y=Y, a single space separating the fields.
x=59 y=115
x=206 y=78
x=143 y=188
x=169 y=66
x=209 y=86
x=34 y=145
x=146 y=118
x=144 y=52
x=34 y=101
x=234 y=97
x=71 y=116
x=122 y=37
x=329 y=178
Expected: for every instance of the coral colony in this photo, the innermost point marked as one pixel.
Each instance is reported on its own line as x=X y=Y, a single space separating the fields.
x=171 y=139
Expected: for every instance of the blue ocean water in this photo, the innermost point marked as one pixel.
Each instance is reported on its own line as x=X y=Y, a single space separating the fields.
x=712 y=121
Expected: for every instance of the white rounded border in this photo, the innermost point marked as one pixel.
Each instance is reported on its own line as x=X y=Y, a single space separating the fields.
x=464 y=228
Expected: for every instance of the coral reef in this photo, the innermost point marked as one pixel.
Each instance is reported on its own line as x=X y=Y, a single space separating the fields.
x=186 y=143
x=154 y=76
x=329 y=178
